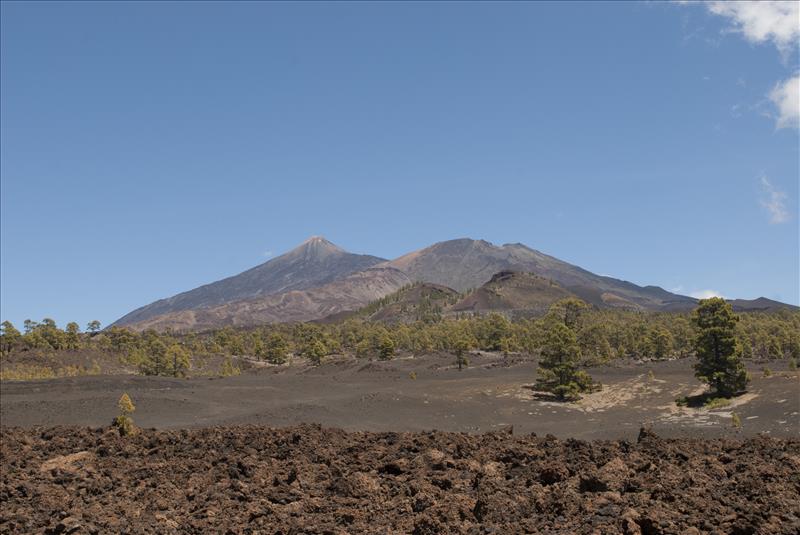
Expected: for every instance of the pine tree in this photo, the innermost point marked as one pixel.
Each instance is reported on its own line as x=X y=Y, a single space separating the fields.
x=9 y=337
x=315 y=351
x=276 y=349
x=385 y=347
x=178 y=360
x=558 y=371
x=660 y=343
x=719 y=360
x=72 y=335
x=569 y=311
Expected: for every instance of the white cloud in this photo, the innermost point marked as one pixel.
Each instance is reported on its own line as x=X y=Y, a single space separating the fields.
x=705 y=294
x=762 y=21
x=786 y=97
x=774 y=201
x=266 y=254
x=776 y=22
x=697 y=294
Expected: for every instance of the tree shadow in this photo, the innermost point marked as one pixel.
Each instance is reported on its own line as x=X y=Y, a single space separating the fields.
x=700 y=401
x=540 y=395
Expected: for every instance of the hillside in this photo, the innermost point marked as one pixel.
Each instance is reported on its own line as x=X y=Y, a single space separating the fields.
x=420 y=301
x=349 y=293
x=513 y=291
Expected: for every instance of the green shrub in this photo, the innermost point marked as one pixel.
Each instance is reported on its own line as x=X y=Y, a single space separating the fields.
x=736 y=421
x=124 y=422
x=716 y=403
x=228 y=369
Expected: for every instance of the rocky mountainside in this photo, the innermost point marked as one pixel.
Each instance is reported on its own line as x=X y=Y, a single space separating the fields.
x=312 y=264
x=464 y=263
x=350 y=293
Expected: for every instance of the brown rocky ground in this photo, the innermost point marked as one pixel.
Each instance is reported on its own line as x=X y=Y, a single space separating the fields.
x=308 y=479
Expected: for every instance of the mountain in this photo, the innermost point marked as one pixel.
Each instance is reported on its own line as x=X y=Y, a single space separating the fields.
x=465 y=263
x=320 y=281
x=512 y=291
x=314 y=263
x=760 y=304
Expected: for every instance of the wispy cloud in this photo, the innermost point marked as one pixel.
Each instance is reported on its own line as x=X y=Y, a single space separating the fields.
x=774 y=201
x=762 y=21
x=786 y=97
x=775 y=22
x=697 y=294
x=266 y=254
x=705 y=294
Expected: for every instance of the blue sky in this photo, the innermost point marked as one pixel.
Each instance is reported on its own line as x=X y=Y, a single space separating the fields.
x=148 y=148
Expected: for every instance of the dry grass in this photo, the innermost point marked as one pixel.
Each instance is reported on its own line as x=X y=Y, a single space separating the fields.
x=29 y=372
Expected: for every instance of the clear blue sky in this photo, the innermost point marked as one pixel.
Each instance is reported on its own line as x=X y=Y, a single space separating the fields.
x=148 y=148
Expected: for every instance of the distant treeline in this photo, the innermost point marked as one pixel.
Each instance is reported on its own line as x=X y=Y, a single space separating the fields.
x=602 y=335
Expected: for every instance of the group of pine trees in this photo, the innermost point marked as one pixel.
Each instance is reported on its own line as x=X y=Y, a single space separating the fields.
x=569 y=337
x=719 y=355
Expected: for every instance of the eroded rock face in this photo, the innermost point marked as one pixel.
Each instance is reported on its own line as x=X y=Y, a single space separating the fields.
x=313 y=480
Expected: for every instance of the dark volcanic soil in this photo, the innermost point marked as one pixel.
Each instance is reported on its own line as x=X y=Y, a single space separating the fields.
x=308 y=479
x=415 y=394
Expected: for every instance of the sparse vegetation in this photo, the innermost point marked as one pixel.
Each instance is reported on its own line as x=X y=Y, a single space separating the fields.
x=766 y=372
x=30 y=372
x=123 y=422
x=736 y=421
x=716 y=403
x=228 y=369
x=601 y=336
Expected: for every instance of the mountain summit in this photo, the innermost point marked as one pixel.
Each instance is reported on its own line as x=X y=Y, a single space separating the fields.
x=313 y=263
x=315 y=248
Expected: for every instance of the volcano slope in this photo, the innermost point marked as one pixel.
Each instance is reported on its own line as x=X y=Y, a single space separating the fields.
x=307 y=479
